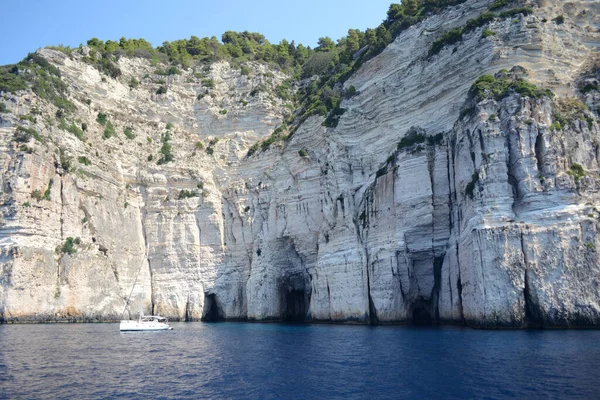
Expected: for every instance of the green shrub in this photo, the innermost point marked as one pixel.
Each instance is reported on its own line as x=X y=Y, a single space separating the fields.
x=208 y=83
x=303 y=153
x=23 y=134
x=185 y=194
x=37 y=194
x=487 y=33
x=3 y=108
x=499 y=4
x=69 y=246
x=516 y=11
x=209 y=150
x=166 y=150
x=253 y=149
x=10 y=79
x=28 y=117
x=454 y=35
x=411 y=138
x=133 y=83
x=102 y=119
x=84 y=160
x=333 y=118
x=576 y=171
x=244 y=70
x=257 y=89
x=559 y=20
x=319 y=63
x=71 y=128
x=436 y=139
x=128 y=132
x=109 y=131
x=351 y=92
x=161 y=90
x=48 y=189
x=223 y=112
x=199 y=145
x=589 y=86
x=492 y=117
x=169 y=126
x=173 y=70
x=488 y=86
x=381 y=171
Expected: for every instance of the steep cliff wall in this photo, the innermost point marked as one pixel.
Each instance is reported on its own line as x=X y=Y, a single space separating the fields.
x=485 y=214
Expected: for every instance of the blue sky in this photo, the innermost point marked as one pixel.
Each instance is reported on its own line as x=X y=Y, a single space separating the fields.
x=31 y=24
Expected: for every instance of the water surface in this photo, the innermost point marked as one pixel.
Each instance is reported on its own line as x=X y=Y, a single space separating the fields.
x=276 y=361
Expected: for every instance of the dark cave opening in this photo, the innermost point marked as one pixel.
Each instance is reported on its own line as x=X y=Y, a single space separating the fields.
x=420 y=316
x=295 y=299
x=295 y=306
x=211 y=312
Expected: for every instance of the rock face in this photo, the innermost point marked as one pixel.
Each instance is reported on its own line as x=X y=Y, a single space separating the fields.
x=489 y=217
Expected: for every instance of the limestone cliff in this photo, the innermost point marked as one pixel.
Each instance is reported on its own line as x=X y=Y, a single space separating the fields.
x=485 y=214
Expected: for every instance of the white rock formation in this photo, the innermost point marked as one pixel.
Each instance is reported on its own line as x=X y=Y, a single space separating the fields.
x=485 y=224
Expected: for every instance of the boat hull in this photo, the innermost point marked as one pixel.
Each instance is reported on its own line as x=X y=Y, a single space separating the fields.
x=143 y=326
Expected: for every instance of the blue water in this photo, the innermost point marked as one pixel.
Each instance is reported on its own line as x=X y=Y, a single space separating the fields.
x=273 y=361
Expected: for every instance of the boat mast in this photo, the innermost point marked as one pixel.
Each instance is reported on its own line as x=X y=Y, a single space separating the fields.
x=134 y=282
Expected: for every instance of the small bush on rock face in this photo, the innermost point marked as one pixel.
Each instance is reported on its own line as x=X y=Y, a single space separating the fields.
x=69 y=246
x=72 y=128
x=129 y=133
x=84 y=160
x=499 y=86
x=166 y=150
x=109 y=131
x=101 y=119
x=412 y=137
x=499 y=4
x=208 y=83
x=161 y=90
x=487 y=33
x=576 y=171
x=133 y=83
x=185 y=194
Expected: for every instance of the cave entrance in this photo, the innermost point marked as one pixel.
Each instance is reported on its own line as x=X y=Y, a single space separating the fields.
x=295 y=304
x=420 y=316
x=211 y=312
x=295 y=298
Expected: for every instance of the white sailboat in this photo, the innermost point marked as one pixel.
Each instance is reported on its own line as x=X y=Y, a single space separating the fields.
x=144 y=322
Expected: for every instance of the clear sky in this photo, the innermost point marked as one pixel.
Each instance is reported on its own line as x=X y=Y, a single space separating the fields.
x=31 y=24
